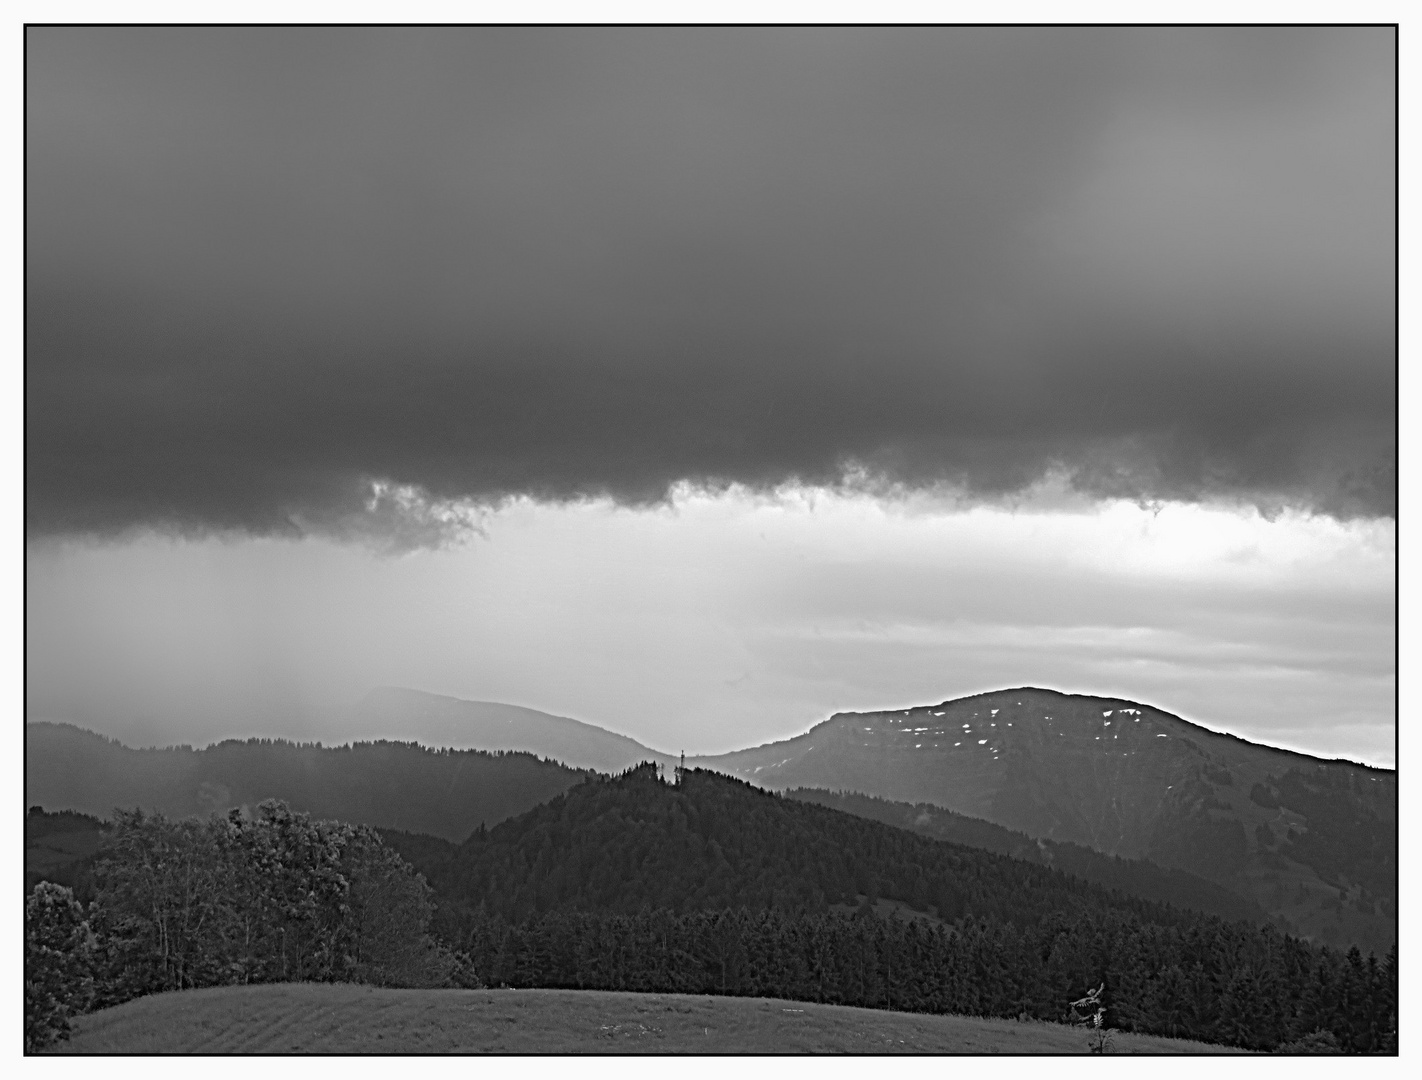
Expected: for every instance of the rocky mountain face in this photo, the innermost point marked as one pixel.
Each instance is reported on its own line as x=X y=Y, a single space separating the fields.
x=1312 y=841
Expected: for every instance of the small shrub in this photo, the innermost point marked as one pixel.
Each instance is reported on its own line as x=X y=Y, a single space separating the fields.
x=462 y=973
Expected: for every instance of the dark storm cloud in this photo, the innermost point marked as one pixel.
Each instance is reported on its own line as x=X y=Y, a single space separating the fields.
x=267 y=267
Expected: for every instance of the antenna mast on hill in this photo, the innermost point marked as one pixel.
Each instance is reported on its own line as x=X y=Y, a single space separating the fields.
x=681 y=768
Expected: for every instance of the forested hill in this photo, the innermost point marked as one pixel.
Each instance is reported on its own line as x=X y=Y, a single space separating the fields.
x=715 y=886
x=1136 y=877
x=713 y=842
x=446 y=793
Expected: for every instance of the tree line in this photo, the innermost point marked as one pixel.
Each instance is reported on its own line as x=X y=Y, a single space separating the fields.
x=1214 y=982
x=191 y=903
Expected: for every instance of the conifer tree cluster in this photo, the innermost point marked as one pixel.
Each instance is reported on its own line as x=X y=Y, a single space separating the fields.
x=1214 y=982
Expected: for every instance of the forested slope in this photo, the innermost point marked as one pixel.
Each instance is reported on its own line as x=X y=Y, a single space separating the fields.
x=714 y=886
x=1136 y=877
x=714 y=842
x=445 y=793
x=62 y=847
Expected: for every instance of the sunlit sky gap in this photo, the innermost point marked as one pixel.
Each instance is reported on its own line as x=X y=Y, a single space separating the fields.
x=723 y=621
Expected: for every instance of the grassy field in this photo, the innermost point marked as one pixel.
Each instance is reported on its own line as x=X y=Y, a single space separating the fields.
x=301 y=1018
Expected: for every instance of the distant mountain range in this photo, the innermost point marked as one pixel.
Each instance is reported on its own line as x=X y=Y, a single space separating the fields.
x=435 y=720
x=1311 y=842
x=393 y=785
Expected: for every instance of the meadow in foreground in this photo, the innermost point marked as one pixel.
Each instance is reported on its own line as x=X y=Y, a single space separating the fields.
x=342 y=1018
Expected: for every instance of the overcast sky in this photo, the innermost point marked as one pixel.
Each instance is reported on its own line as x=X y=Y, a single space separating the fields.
x=697 y=383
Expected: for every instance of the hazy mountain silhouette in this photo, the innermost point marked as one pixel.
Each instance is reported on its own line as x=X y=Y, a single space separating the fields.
x=446 y=793
x=436 y=720
x=1312 y=841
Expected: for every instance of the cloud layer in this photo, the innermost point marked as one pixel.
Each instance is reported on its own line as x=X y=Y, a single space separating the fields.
x=268 y=269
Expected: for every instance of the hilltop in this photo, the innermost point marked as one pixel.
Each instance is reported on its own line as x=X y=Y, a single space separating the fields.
x=713 y=842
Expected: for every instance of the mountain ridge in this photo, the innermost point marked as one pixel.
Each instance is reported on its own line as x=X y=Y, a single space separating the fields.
x=443 y=720
x=1312 y=841
x=446 y=793
x=1126 y=702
